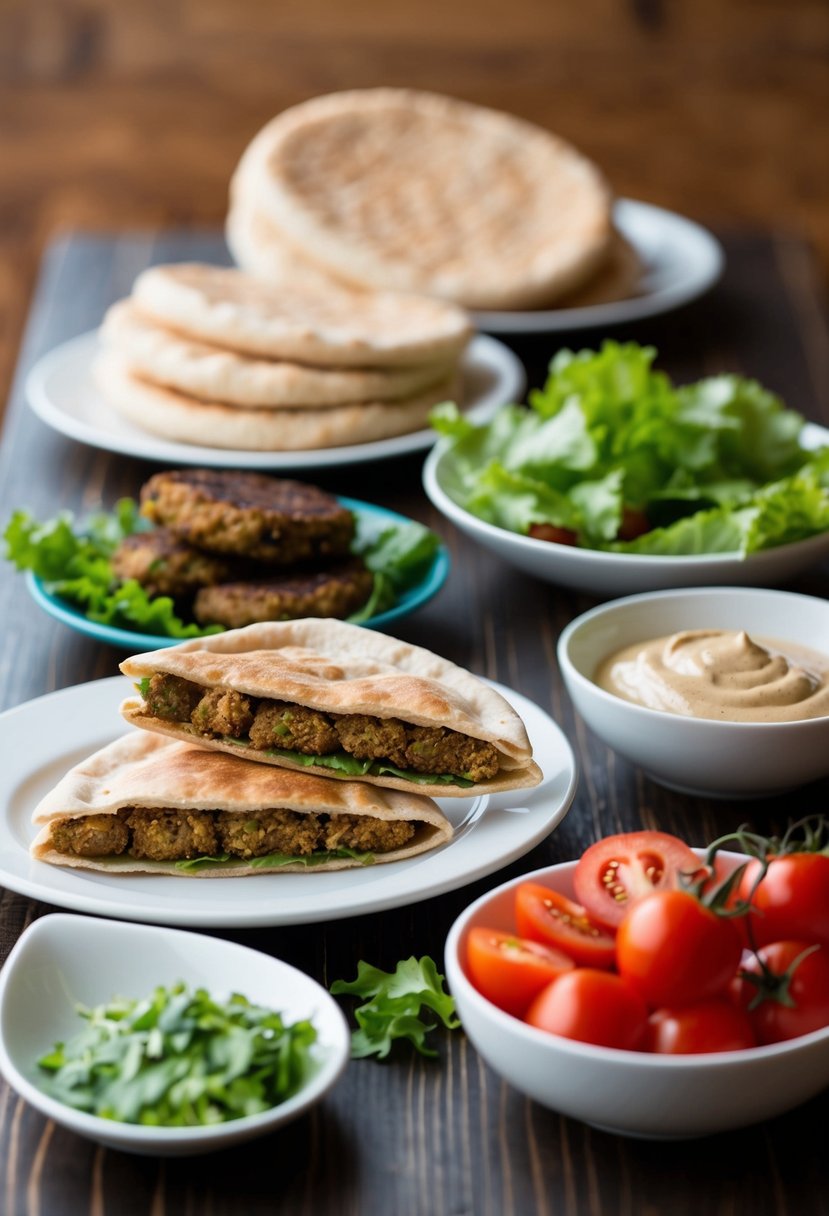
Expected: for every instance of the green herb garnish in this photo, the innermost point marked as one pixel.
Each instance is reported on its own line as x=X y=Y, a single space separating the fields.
x=395 y=1003
x=712 y=467
x=179 y=1059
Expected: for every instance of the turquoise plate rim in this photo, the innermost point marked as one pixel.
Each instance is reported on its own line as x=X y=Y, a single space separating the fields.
x=412 y=599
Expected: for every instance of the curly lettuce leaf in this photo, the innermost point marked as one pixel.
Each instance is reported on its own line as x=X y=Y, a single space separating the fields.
x=395 y=1006
x=342 y=762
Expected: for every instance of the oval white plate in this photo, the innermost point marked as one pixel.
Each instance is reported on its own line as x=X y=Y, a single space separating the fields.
x=614 y=574
x=61 y=391
x=681 y=261
x=61 y=961
x=45 y=737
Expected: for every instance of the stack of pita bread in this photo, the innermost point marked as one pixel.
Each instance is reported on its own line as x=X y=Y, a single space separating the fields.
x=411 y=191
x=210 y=355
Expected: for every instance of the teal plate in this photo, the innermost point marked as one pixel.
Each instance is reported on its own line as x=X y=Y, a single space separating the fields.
x=129 y=639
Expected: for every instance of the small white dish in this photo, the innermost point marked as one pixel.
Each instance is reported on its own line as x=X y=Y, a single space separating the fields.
x=60 y=961
x=680 y=261
x=632 y=1093
x=45 y=737
x=612 y=574
x=697 y=755
x=61 y=391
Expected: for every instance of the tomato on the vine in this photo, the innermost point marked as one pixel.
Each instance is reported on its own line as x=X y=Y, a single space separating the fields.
x=714 y=1025
x=615 y=873
x=593 y=1007
x=675 y=950
x=791 y=900
x=508 y=970
x=546 y=916
x=789 y=994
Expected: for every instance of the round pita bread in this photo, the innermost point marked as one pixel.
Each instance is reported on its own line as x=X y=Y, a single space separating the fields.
x=164 y=357
x=394 y=188
x=163 y=411
x=300 y=319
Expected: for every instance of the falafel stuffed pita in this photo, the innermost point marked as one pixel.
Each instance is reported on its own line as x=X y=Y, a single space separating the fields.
x=338 y=700
x=145 y=804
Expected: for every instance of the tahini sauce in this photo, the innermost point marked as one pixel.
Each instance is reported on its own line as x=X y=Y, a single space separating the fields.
x=710 y=673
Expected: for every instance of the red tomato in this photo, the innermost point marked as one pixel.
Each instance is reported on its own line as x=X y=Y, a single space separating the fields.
x=510 y=971
x=593 y=1007
x=549 y=532
x=707 y=1026
x=618 y=871
x=675 y=951
x=792 y=900
x=807 y=986
x=545 y=916
x=634 y=523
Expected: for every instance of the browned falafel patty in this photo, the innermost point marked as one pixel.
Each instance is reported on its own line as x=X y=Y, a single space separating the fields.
x=335 y=592
x=268 y=725
x=249 y=514
x=165 y=834
x=164 y=564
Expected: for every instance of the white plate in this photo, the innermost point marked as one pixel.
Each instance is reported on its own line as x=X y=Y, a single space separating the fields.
x=61 y=961
x=615 y=574
x=681 y=261
x=61 y=391
x=45 y=737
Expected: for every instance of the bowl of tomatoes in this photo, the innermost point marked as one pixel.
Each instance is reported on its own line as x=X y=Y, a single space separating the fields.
x=651 y=989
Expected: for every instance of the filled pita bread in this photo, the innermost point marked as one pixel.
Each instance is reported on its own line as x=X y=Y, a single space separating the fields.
x=213 y=373
x=185 y=419
x=144 y=794
x=242 y=690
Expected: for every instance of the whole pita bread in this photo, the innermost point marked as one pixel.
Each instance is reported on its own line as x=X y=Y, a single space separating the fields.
x=395 y=188
x=147 y=771
x=211 y=373
x=300 y=319
x=185 y=419
x=345 y=669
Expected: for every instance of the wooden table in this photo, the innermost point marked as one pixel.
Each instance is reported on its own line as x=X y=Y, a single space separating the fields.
x=415 y=1137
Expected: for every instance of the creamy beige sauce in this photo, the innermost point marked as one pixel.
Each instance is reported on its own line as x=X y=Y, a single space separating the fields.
x=710 y=673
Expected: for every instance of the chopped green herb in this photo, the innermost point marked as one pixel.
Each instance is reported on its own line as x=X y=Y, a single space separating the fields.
x=179 y=1059
x=396 y=1000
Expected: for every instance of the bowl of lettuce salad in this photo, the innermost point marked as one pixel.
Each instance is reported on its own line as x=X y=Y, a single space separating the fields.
x=614 y=480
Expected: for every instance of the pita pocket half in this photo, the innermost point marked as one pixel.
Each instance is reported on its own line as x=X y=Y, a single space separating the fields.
x=144 y=804
x=338 y=700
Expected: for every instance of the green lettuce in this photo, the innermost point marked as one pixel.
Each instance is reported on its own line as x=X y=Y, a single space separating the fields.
x=275 y=859
x=716 y=466
x=396 y=1002
x=342 y=762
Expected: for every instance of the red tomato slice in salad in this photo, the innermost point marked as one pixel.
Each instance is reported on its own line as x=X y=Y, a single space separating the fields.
x=544 y=915
x=509 y=970
x=619 y=871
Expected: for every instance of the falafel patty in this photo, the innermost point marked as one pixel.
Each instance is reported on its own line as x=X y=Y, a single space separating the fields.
x=249 y=514
x=165 y=834
x=267 y=725
x=335 y=592
x=164 y=564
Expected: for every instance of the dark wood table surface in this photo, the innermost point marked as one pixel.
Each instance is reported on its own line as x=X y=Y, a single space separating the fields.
x=412 y=1136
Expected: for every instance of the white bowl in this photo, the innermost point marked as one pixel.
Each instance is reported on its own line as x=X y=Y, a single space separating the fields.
x=63 y=960
x=696 y=755
x=629 y=1092
x=611 y=574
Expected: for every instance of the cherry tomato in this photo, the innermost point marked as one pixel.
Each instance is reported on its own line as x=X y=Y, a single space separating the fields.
x=546 y=916
x=558 y=536
x=792 y=900
x=807 y=986
x=634 y=523
x=713 y=1025
x=593 y=1007
x=508 y=970
x=675 y=951
x=618 y=871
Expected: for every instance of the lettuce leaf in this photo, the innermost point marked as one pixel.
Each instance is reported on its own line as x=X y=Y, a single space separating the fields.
x=222 y=860
x=716 y=466
x=342 y=762
x=396 y=1002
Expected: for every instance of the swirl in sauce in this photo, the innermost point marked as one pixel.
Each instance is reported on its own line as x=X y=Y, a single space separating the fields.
x=711 y=673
